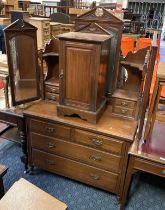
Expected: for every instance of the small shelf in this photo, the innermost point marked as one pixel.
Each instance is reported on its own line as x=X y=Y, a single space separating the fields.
x=126 y=94
x=53 y=81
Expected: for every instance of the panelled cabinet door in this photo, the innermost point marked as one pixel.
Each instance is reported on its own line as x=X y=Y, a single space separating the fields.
x=83 y=70
x=80 y=60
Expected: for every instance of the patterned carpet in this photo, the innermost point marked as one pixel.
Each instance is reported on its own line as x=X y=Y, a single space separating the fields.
x=147 y=192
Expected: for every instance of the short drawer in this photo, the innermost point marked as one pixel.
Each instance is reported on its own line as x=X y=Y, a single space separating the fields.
x=46 y=38
x=81 y=153
x=123 y=111
x=98 y=141
x=75 y=170
x=46 y=24
x=51 y=96
x=124 y=103
x=46 y=32
x=52 y=89
x=150 y=167
x=49 y=129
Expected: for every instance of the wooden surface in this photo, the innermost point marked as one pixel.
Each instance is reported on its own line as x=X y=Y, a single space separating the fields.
x=5 y=21
x=43 y=32
x=108 y=124
x=24 y=195
x=77 y=11
x=88 y=37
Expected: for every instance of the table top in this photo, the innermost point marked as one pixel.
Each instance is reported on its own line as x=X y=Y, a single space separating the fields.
x=153 y=150
x=108 y=124
x=25 y=195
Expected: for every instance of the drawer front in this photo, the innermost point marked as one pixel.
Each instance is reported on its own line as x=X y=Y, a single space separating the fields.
x=46 y=38
x=49 y=129
x=98 y=141
x=124 y=103
x=46 y=32
x=52 y=89
x=74 y=151
x=150 y=167
x=51 y=96
x=78 y=171
x=123 y=111
x=46 y=24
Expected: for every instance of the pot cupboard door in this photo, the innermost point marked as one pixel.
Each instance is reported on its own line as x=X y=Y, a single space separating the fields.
x=78 y=78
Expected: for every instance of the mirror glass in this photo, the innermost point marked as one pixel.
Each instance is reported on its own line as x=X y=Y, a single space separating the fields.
x=24 y=67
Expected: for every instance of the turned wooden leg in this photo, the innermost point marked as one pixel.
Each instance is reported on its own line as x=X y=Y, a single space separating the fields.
x=24 y=157
x=127 y=182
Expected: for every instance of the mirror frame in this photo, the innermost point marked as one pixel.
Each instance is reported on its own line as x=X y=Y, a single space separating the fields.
x=18 y=28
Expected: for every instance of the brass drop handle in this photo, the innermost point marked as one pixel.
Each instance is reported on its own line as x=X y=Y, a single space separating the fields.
x=123 y=111
x=50 y=144
x=97 y=142
x=49 y=129
x=163 y=171
x=95 y=157
x=124 y=103
x=61 y=75
x=94 y=176
x=50 y=162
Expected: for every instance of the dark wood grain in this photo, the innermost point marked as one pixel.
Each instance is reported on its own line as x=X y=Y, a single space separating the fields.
x=83 y=70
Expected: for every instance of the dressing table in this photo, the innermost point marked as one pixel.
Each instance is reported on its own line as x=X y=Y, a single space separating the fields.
x=95 y=154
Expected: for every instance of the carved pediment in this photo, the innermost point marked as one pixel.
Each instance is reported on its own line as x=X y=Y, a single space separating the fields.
x=94 y=28
x=99 y=14
x=20 y=24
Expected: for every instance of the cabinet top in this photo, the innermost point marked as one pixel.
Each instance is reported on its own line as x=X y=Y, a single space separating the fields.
x=108 y=124
x=89 y=37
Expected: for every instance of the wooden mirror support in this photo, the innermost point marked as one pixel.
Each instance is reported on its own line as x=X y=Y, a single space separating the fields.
x=50 y=66
x=21 y=47
x=127 y=98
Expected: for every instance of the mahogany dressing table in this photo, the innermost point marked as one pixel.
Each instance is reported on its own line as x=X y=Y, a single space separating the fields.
x=95 y=154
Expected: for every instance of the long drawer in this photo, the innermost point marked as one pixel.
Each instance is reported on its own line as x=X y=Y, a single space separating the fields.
x=49 y=129
x=78 y=171
x=98 y=141
x=149 y=166
x=81 y=153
